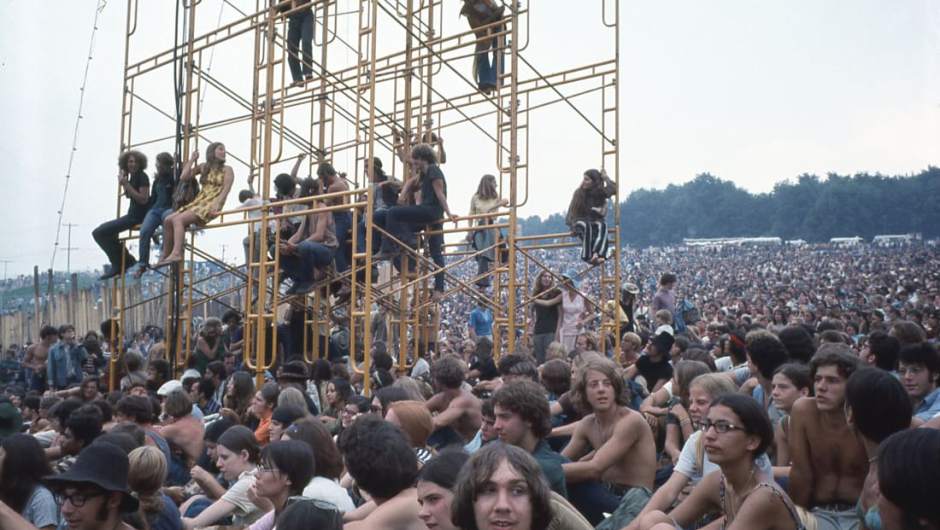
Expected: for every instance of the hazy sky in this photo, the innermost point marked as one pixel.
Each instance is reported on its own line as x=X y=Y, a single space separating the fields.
x=753 y=92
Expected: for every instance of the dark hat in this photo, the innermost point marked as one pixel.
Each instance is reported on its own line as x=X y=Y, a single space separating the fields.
x=287 y=414
x=292 y=371
x=11 y=421
x=103 y=464
x=663 y=340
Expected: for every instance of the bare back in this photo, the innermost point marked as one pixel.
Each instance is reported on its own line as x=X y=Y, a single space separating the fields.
x=186 y=433
x=460 y=411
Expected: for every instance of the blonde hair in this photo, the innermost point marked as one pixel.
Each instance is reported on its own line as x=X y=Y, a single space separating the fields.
x=555 y=350
x=632 y=338
x=146 y=474
x=714 y=384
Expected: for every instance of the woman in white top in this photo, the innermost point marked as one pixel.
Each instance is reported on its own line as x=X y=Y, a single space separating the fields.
x=573 y=311
x=485 y=200
x=328 y=463
x=238 y=453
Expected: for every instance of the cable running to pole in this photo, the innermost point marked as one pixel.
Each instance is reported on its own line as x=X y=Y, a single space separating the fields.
x=78 y=120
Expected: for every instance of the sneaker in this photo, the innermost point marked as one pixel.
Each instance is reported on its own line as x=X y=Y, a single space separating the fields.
x=299 y=288
x=385 y=255
x=110 y=272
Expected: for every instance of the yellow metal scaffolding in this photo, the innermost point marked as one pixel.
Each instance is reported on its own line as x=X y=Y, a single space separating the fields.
x=357 y=94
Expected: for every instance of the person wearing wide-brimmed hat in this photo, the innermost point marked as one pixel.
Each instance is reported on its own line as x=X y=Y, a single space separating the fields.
x=93 y=492
x=295 y=374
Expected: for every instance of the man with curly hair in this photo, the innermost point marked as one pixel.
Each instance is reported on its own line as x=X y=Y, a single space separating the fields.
x=523 y=419
x=135 y=184
x=457 y=412
x=380 y=460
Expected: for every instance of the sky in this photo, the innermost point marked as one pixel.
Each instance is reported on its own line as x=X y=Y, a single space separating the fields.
x=752 y=92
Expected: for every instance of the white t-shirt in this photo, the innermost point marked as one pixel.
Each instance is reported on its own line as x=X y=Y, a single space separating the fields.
x=245 y=511
x=324 y=489
x=688 y=465
x=421 y=367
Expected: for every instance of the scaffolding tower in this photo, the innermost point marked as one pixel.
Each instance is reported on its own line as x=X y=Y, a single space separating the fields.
x=385 y=74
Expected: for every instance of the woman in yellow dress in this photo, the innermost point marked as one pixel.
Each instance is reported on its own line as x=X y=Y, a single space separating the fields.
x=216 y=181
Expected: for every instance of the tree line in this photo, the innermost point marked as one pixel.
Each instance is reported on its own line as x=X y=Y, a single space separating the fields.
x=808 y=208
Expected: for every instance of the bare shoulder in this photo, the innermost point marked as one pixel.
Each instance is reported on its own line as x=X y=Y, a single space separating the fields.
x=804 y=407
x=584 y=423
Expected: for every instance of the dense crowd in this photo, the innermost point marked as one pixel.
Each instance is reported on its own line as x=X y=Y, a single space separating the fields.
x=754 y=387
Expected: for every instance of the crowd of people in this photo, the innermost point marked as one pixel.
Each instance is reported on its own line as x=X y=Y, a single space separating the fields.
x=764 y=387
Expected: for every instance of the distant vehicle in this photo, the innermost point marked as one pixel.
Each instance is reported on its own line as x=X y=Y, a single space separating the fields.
x=890 y=240
x=846 y=241
x=732 y=241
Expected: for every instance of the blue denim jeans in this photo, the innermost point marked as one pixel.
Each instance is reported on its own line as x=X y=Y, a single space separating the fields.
x=378 y=219
x=300 y=31
x=403 y=221
x=151 y=222
x=310 y=255
x=486 y=68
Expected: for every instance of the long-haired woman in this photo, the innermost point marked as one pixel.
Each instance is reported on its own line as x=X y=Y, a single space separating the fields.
x=736 y=432
x=485 y=200
x=544 y=324
x=587 y=214
x=240 y=392
x=216 y=180
x=23 y=465
x=238 y=456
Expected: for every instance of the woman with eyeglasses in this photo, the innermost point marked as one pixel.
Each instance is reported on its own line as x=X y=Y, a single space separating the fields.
x=736 y=431
x=357 y=406
x=286 y=468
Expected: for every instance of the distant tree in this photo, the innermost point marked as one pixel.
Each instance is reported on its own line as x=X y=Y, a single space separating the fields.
x=808 y=208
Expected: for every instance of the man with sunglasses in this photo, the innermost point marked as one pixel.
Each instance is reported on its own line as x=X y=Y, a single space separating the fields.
x=93 y=493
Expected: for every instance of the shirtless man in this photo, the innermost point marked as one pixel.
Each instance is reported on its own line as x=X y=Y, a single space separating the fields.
x=36 y=356
x=182 y=428
x=455 y=409
x=334 y=182
x=829 y=461
x=613 y=445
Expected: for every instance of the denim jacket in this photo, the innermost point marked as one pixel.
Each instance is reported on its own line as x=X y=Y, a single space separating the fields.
x=64 y=366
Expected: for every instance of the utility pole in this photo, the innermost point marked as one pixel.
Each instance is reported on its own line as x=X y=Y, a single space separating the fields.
x=2 y=296
x=69 y=248
x=223 y=252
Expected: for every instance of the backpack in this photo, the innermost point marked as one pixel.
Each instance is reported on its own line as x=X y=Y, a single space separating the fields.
x=686 y=313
